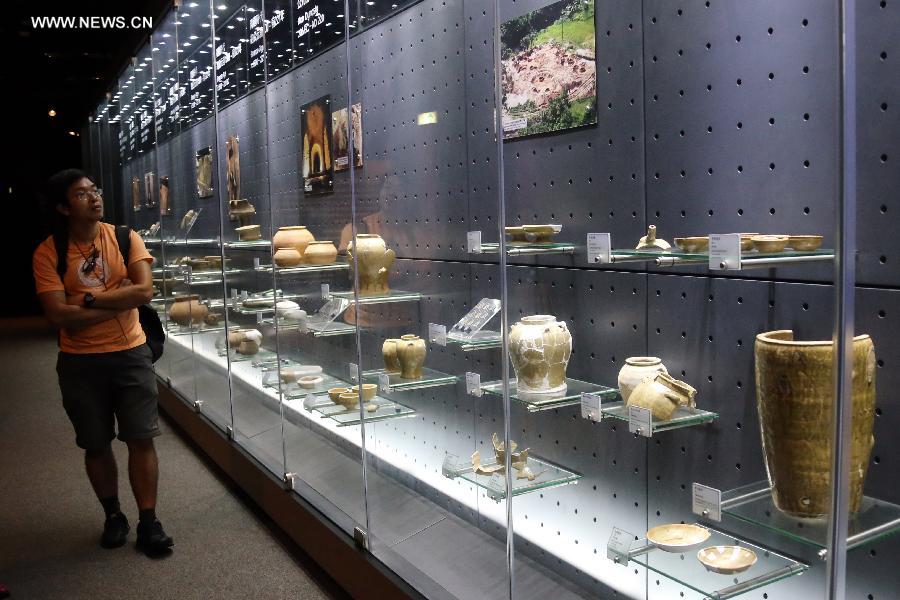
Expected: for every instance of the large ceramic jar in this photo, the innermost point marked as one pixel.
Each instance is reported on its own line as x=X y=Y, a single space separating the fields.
x=295 y=236
x=287 y=257
x=635 y=370
x=795 y=396
x=540 y=347
x=411 y=352
x=187 y=310
x=320 y=253
x=389 y=353
x=375 y=259
x=661 y=394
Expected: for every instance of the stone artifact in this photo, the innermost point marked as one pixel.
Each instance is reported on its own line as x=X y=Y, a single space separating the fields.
x=540 y=347
x=320 y=253
x=651 y=243
x=187 y=310
x=634 y=371
x=795 y=397
x=411 y=352
x=389 y=353
x=248 y=233
x=297 y=237
x=374 y=260
x=287 y=257
x=727 y=560
x=677 y=537
x=661 y=395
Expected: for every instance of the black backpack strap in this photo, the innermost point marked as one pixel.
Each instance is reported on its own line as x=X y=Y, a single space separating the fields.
x=123 y=238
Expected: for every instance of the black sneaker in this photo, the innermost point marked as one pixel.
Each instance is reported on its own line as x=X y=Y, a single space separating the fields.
x=152 y=540
x=115 y=530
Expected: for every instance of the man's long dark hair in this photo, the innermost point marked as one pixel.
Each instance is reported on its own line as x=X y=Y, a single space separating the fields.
x=56 y=194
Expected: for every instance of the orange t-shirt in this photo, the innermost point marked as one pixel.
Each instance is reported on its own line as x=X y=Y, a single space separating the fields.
x=121 y=333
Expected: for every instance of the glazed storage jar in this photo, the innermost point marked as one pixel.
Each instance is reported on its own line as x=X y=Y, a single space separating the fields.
x=635 y=370
x=295 y=236
x=320 y=253
x=187 y=310
x=540 y=347
x=389 y=353
x=375 y=259
x=411 y=354
x=795 y=397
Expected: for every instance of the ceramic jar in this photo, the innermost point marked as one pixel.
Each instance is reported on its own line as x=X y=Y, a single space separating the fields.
x=295 y=236
x=635 y=369
x=411 y=352
x=662 y=394
x=187 y=310
x=320 y=253
x=540 y=347
x=287 y=257
x=794 y=396
x=389 y=353
x=375 y=259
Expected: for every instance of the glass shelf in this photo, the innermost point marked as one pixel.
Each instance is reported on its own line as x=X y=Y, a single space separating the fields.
x=430 y=378
x=182 y=242
x=482 y=340
x=249 y=244
x=173 y=328
x=392 y=296
x=749 y=259
x=293 y=390
x=335 y=266
x=385 y=409
x=528 y=249
x=683 y=417
x=259 y=359
x=536 y=402
x=685 y=569
x=753 y=504
x=547 y=475
x=324 y=329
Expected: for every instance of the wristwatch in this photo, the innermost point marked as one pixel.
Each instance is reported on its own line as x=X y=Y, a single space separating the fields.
x=89 y=300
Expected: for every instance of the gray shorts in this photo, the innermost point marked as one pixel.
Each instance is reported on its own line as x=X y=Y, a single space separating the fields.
x=100 y=390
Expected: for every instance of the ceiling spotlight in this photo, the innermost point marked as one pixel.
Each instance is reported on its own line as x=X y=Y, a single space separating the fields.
x=51 y=112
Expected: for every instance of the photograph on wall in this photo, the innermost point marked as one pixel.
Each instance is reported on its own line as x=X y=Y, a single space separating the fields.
x=165 y=205
x=150 y=189
x=549 y=73
x=136 y=193
x=341 y=142
x=233 y=167
x=204 y=172
x=315 y=130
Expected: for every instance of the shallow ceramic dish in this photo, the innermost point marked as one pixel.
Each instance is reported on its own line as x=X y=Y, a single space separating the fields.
x=348 y=400
x=692 y=244
x=335 y=392
x=678 y=537
x=805 y=243
x=541 y=233
x=308 y=382
x=727 y=560
x=769 y=243
x=747 y=241
x=368 y=391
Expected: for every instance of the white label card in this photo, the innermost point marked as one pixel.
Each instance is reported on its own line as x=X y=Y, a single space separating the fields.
x=497 y=483
x=449 y=467
x=354 y=371
x=255 y=262
x=309 y=402
x=706 y=502
x=384 y=383
x=590 y=406
x=326 y=291
x=599 y=248
x=473 y=242
x=618 y=545
x=473 y=384
x=724 y=251
x=437 y=334
x=640 y=421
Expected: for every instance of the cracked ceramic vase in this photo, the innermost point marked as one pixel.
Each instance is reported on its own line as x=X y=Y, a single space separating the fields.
x=540 y=347
x=634 y=371
x=375 y=259
x=794 y=395
x=389 y=353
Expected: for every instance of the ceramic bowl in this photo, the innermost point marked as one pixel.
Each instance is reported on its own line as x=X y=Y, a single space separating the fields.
x=770 y=243
x=747 y=241
x=308 y=382
x=368 y=391
x=727 y=560
x=692 y=244
x=335 y=392
x=678 y=537
x=805 y=243
x=287 y=375
x=348 y=400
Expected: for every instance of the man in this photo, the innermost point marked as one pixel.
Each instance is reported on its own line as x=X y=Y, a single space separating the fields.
x=104 y=365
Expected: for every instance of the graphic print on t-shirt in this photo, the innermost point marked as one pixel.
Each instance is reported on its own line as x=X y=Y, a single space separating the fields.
x=96 y=276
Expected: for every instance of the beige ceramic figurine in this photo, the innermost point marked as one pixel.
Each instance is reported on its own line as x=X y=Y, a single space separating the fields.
x=650 y=242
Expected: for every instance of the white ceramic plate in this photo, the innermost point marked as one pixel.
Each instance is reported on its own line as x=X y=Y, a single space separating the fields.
x=727 y=560
x=677 y=537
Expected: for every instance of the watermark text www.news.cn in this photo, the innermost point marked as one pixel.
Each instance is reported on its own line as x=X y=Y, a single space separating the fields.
x=106 y=22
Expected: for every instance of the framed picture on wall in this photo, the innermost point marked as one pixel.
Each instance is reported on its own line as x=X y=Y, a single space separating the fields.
x=549 y=71
x=136 y=193
x=150 y=189
x=204 y=172
x=233 y=167
x=316 y=161
x=342 y=123
x=165 y=204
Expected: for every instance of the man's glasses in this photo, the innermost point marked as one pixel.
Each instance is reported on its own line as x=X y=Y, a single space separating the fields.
x=91 y=263
x=85 y=194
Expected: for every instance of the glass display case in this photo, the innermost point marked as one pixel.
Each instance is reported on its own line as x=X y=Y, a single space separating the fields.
x=536 y=297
